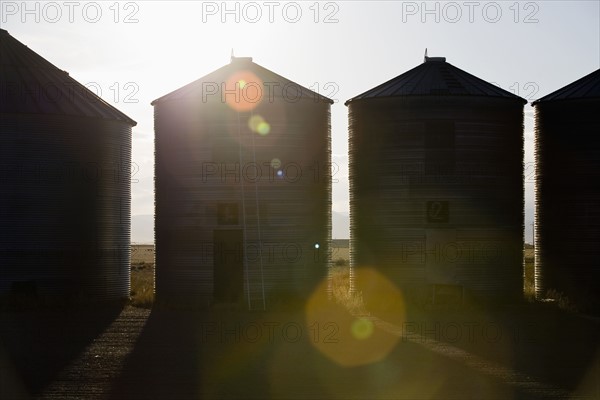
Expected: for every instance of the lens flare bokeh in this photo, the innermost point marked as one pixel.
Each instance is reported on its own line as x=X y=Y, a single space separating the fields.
x=275 y=163
x=258 y=124
x=356 y=340
x=243 y=91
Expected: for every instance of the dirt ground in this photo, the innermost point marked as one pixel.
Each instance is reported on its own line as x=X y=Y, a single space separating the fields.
x=321 y=352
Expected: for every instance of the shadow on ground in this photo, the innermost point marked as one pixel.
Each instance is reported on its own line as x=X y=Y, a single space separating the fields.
x=536 y=340
x=234 y=355
x=224 y=354
x=36 y=345
x=320 y=352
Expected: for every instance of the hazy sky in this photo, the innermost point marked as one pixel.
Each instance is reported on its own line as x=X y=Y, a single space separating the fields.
x=134 y=52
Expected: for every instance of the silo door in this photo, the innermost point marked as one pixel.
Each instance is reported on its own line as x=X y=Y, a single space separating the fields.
x=442 y=257
x=228 y=261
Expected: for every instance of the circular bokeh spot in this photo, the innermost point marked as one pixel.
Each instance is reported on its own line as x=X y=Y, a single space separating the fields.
x=243 y=91
x=275 y=163
x=362 y=328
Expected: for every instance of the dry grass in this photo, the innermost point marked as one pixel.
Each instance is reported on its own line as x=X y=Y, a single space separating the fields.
x=341 y=262
x=343 y=292
x=561 y=300
x=142 y=285
x=529 y=278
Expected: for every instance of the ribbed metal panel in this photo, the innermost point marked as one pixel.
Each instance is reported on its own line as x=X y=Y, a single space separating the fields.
x=436 y=192
x=65 y=196
x=567 y=219
x=207 y=156
x=65 y=192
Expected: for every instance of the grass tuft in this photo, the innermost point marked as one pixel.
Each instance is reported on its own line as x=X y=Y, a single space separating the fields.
x=343 y=292
x=529 y=278
x=142 y=285
x=562 y=301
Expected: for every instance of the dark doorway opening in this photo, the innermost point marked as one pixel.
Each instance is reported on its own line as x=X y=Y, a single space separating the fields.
x=228 y=261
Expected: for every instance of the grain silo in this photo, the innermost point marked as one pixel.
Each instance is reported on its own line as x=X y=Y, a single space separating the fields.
x=436 y=184
x=567 y=189
x=243 y=189
x=65 y=158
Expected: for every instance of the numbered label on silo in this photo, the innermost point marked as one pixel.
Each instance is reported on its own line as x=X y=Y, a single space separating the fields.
x=227 y=214
x=438 y=211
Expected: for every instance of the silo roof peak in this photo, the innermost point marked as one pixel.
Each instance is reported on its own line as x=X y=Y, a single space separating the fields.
x=587 y=87
x=436 y=77
x=39 y=87
x=277 y=83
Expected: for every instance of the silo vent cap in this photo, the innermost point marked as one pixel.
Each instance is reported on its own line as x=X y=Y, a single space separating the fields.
x=241 y=59
x=435 y=59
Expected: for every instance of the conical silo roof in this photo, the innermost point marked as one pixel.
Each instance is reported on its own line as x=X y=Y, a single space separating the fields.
x=436 y=77
x=33 y=85
x=274 y=84
x=587 y=87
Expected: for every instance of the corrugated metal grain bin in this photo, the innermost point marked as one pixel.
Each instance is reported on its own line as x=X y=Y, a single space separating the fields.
x=65 y=158
x=436 y=184
x=567 y=154
x=243 y=189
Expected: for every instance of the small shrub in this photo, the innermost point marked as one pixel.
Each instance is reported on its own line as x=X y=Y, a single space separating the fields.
x=562 y=301
x=341 y=262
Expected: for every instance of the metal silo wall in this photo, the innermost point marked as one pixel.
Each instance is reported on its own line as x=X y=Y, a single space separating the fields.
x=441 y=208
x=65 y=195
x=281 y=218
x=567 y=220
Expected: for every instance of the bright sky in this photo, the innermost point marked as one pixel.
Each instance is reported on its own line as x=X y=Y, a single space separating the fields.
x=134 y=52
